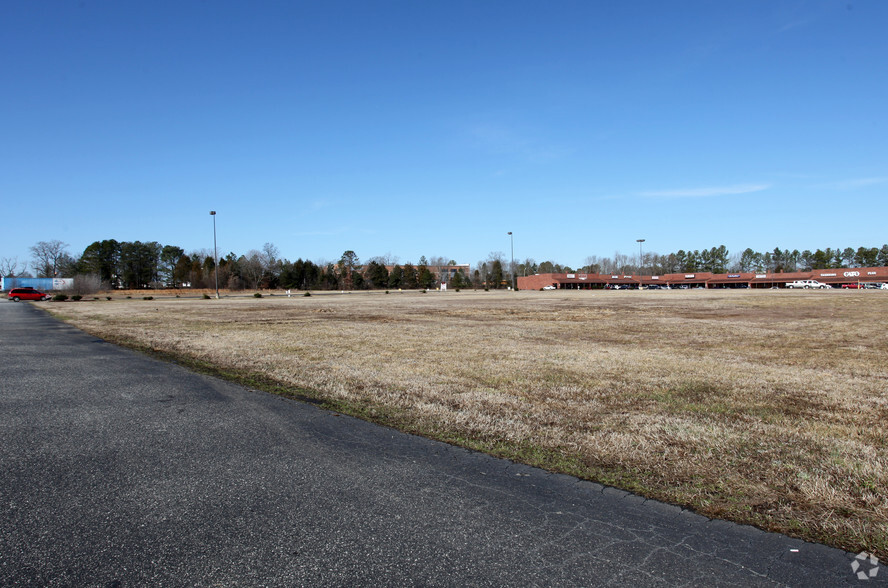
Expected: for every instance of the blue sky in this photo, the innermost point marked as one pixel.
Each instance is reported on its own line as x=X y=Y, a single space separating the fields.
x=435 y=127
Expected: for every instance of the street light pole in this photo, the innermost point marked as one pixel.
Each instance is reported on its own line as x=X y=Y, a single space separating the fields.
x=512 y=269
x=640 y=256
x=215 y=254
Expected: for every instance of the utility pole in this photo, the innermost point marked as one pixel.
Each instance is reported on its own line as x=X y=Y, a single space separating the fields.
x=512 y=269
x=215 y=254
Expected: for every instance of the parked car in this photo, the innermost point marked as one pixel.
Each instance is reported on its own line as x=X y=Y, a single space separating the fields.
x=807 y=284
x=853 y=286
x=17 y=294
x=550 y=287
x=875 y=286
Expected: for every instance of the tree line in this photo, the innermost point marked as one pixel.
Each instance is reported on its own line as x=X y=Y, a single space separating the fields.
x=718 y=260
x=138 y=265
x=143 y=265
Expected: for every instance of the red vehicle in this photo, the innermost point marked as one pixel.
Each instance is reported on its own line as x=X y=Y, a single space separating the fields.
x=17 y=294
x=852 y=286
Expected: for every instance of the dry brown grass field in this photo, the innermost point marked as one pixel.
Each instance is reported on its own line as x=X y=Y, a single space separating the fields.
x=762 y=407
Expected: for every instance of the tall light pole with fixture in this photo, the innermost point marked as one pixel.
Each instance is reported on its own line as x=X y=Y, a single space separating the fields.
x=215 y=254
x=512 y=269
x=640 y=256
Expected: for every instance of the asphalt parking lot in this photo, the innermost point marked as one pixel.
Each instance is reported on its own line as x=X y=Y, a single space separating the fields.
x=117 y=469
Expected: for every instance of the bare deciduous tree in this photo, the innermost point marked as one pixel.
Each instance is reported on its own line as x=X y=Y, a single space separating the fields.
x=388 y=259
x=271 y=262
x=252 y=267
x=47 y=256
x=9 y=267
x=438 y=264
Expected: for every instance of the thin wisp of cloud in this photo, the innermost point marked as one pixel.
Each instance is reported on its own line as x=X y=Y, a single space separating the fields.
x=854 y=183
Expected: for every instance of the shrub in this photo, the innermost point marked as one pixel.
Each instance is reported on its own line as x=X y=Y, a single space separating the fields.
x=76 y=297
x=129 y=297
x=386 y=291
x=257 y=295
x=60 y=297
x=307 y=294
x=206 y=296
x=107 y=298
x=147 y=297
x=85 y=284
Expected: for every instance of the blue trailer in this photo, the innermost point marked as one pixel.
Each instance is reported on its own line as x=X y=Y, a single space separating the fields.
x=42 y=284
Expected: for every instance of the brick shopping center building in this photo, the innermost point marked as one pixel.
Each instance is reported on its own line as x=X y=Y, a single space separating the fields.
x=580 y=281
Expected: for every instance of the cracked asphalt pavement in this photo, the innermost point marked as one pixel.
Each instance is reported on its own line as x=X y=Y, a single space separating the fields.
x=119 y=470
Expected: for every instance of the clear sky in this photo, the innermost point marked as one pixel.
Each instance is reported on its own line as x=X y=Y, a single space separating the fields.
x=433 y=127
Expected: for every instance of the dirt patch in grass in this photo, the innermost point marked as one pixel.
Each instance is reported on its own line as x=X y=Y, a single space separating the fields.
x=766 y=408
